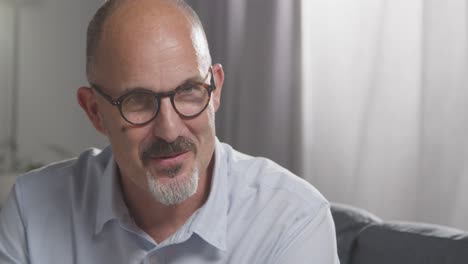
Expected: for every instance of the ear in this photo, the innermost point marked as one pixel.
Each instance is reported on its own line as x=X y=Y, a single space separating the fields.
x=218 y=75
x=87 y=100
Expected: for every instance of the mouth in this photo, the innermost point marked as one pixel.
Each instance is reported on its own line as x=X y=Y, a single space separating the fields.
x=169 y=160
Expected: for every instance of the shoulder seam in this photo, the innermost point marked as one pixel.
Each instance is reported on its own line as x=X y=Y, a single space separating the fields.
x=318 y=218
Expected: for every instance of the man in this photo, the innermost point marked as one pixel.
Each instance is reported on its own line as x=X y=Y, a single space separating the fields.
x=166 y=191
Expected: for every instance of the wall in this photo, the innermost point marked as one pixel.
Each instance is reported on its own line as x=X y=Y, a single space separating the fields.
x=51 y=67
x=6 y=36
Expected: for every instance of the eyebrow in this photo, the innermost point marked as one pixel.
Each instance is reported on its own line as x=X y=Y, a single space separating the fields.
x=193 y=79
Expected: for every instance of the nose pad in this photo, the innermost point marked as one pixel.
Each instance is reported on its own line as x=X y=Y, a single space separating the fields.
x=168 y=124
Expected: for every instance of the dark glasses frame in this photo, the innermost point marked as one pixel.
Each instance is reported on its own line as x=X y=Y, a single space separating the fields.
x=171 y=94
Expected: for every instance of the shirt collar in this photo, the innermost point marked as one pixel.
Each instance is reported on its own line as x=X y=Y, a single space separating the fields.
x=110 y=204
x=209 y=222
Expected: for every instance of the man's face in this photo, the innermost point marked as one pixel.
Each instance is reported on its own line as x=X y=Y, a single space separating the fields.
x=167 y=156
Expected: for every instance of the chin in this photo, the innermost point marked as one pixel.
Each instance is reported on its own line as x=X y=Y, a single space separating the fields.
x=174 y=187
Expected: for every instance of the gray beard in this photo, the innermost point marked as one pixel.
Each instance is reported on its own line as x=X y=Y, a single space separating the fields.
x=176 y=191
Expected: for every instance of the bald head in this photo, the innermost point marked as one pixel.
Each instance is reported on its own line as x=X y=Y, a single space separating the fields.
x=163 y=15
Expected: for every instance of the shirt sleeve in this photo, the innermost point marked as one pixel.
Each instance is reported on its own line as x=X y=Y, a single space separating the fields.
x=315 y=243
x=12 y=233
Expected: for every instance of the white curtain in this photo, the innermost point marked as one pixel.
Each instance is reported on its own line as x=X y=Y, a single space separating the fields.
x=386 y=106
x=367 y=100
x=7 y=66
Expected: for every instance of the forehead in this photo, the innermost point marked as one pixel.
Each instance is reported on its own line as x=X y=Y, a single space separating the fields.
x=146 y=46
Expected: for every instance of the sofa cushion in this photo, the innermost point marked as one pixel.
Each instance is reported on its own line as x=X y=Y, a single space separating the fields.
x=349 y=221
x=415 y=243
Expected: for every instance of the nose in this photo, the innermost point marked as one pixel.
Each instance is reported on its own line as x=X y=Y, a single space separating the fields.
x=168 y=124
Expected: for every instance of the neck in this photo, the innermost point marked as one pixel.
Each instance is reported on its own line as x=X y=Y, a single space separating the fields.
x=158 y=220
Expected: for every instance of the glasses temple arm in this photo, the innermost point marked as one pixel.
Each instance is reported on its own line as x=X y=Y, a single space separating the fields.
x=212 y=82
x=103 y=94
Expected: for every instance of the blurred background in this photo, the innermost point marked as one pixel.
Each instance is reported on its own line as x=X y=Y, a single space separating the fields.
x=367 y=100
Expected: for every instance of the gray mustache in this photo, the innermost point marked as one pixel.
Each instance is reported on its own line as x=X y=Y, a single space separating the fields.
x=163 y=148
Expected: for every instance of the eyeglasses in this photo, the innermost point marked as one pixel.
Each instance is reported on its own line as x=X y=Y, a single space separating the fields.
x=139 y=107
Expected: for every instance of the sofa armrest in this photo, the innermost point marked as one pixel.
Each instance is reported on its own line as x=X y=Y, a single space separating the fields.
x=415 y=243
x=349 y=222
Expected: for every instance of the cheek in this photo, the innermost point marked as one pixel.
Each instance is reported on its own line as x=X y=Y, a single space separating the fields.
x=203 y=127
x=125 y=141
x=211 y=115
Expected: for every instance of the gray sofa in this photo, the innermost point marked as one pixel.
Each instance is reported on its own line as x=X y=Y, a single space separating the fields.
x=363 y=238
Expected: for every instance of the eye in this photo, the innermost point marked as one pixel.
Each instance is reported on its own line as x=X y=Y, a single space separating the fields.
x=190 y=92
x=139 y=101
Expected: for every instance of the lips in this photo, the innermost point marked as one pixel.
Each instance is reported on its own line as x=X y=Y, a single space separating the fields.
x=170 y=160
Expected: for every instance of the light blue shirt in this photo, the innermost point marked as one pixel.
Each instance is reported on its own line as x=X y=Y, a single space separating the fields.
x=256 y=212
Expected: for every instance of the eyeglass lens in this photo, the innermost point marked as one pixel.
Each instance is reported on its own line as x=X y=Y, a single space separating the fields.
x=140 y=106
